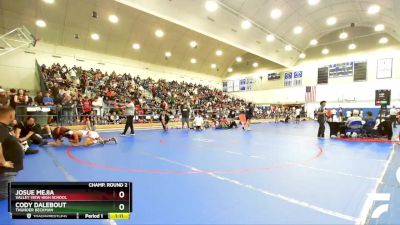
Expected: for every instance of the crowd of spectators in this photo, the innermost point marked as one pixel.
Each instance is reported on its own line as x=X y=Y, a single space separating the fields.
x=102 y=95
x=77 y=95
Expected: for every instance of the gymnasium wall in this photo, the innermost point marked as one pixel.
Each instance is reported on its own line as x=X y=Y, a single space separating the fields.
x=338 y=91
x=17 y=68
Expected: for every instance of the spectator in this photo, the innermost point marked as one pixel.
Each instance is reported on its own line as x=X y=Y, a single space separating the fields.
x=12 y=96
x=298 y=114
x=348 y=114
x=198 y=122
x=369 y=117
x=38 y=100
x=396 y=129
x=354 y=118
x=86 y=106
x=67 y=107
x=392 y=116
x=11 y=152
x=340 y=114
x=114 y=118
x=47 y=100
x=232 y=113
x=21 y=99
x=30 y=130
x=3 y=97
x=30 y=100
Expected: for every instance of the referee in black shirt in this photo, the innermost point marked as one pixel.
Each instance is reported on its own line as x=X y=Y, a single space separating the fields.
x=321 y=119
x=185 y=112
x=249 y=115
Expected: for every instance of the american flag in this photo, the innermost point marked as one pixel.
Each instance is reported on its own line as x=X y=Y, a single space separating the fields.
x=310 y=93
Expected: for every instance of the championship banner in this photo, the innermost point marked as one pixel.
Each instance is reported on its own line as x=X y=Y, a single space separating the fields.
x=243 y=84
x=288 y=79
x=225 y=86
x=250 y=84
x=230 y=86
x=298 y=78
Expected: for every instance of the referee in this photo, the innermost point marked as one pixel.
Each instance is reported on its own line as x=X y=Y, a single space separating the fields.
x=321 y=119
x=249 y=115
x=130 y=113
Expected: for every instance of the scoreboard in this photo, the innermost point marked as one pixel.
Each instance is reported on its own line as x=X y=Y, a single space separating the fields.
x=274 y=76
x=70 y=200
x=382 y=97
x=341 y=69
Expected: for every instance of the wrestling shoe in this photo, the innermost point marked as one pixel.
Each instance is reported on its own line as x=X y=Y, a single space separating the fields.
x=43 y=143
x=114 y=140
x=31 y=151
x=122 y=134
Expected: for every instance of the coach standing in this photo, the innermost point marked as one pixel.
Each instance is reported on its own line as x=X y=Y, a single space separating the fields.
x=11 y=152
x=321 y=119
x=130 y=113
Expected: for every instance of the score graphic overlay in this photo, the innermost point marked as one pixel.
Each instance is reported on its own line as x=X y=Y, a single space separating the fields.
x=70 y=200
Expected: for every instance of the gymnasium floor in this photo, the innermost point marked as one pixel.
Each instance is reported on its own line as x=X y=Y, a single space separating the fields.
x=274 y=174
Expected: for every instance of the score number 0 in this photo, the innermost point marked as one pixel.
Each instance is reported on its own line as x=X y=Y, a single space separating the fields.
x=121 y=206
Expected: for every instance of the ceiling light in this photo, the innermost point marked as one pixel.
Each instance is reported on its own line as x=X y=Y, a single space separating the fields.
x=276 y=13
x=159 y=33
x=325 y=51
x=230 y=70
x=270 y=38
x=238 y=59
x=379 y=27
x=193 y=60
x=373 y=9
x=352 y=46
x=343 y=35
x=331 y=21
x=297 y=30
x=40 y=23
x=95 y=36
x=193 y=44
x=113 y=18
x=313 y=2
x=136 y=46
x=211 y=6
x=213 y=66
x=218 y=52
x=255 y=64
x=168 y=54
x=288 y=48
x=49 y=1
x=383 y=40
x=302 y=55
x=246 y=24
x=313 y=42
